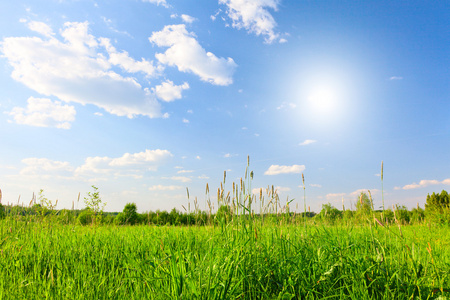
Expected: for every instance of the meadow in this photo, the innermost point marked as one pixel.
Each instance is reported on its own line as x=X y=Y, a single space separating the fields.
x=234 y=253
x=246 y=260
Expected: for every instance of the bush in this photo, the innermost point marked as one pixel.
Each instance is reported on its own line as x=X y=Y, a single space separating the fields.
x=2 y=212
x=330 y=213
x=86 y=217
x=402 y=214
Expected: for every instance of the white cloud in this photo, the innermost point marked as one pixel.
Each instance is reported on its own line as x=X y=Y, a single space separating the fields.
x=158 y=2
x=185 y=171
x=41 y=28
x=281 y=189
x=307 y=142
x=395 y=78
x=148 y=156
x=180 y=178
x=424 y=183
x=188 y=19
x=190 y=111
x=335 y=196
x=165 y=188
x=168 y=92
x=276 y=169
x=45 y=167
x=128 y=64
x=186 y=53
x=74 y=70
x=256 y=191
x=134 y=164
x=42 y=112
x=185 y=121
x=315 y=185
x=198 y=157
x=253 y=16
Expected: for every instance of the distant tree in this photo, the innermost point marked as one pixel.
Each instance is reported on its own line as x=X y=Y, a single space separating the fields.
x=417 y=215
x=363 y=204
x=94 y=204
x=330 y=213
x=437 y=207
x=402 y=214
x=128 y=216
x=437 y=202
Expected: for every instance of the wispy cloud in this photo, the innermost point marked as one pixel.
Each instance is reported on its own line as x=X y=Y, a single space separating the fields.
x=287 y=105
x=185 y=171
x=423 y=183
x=165 y=188
x=315 y=185
x=307 y=142
x=179 y=178
x=395 y=78
x=277 y=169
x=158 y=2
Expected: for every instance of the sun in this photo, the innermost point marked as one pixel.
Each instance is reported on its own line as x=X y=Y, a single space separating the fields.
x=323 y=100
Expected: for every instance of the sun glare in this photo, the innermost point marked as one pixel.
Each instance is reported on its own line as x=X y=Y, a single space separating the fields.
x=322 y=100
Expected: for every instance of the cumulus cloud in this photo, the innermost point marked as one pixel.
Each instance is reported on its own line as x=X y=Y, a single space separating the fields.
x=45 y=167
x=188 y=55
x=276 y=169
x=130 y=164
x=168 y=92
x=43 y=112
x=253 y=16
x=424 y=183
x=74 y=69
x=307 y=142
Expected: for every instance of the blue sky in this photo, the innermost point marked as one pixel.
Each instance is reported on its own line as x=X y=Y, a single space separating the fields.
x=143 y=98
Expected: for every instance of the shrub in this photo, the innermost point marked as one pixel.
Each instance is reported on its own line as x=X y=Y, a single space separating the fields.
x=86 y=217
x=330 y=213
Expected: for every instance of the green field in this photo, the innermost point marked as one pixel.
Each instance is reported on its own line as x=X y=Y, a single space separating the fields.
x=242 y=259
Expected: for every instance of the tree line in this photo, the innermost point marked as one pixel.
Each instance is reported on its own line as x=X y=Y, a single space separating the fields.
x=437 y=210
